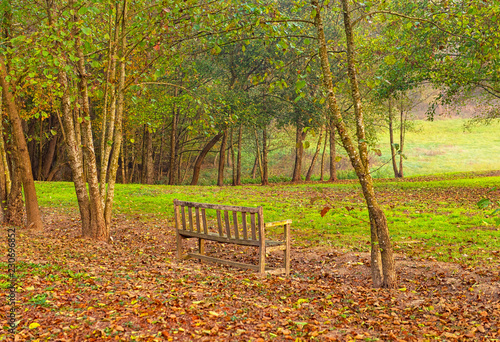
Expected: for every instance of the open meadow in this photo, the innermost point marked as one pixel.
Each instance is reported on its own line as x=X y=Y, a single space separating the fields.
x=447 y=255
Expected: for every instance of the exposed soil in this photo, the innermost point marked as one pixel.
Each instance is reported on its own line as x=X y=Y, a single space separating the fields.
x=133 y=289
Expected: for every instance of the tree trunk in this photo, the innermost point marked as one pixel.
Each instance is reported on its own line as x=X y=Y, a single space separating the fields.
x=5 y=183
x=233 y=159
x=401 y=139
x=201 y=157
x=238 y=167
x=171 y=178
x=34 y=219
x=13 y=213
x=258 y=155
x=265 y=171
x=98 y=228
x=222 y=159
x=383 y=275
x=391 y=139
x=300 y=135
x=323 y=156
x=118 y=131
x=315 y=156
x=148 y=157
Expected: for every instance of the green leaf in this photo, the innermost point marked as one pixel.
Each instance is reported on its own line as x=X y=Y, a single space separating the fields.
x=82 y=10
x=484 y=203
x=299 y=85
x=86 y=31
x=54 y=132
x=390 y=60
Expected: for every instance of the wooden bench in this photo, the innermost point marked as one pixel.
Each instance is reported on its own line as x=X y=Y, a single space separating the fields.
x=229 y=224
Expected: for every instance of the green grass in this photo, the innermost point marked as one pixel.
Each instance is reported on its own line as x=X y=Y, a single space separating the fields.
x=437 y=218
x=445 y=146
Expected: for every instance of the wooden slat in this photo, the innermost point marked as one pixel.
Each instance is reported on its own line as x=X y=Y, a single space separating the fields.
x=252 y=225
x=223 y=261
x=219 y=207
x=197 y=213
x=204 y=218
x=226 y=221
x=184 y=227
x=178 y=225
x=219 y=223
x=216 y=237
x=262 y=244
x=190 y=214
x=235 y=224
x=244 y=223
x=278 y=223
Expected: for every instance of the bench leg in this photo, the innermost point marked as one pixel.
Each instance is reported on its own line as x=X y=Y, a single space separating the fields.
x=201 y=246
x=262 y=259
x=179 y=246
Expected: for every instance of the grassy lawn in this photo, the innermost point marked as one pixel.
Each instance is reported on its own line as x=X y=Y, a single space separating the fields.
x=431 y=218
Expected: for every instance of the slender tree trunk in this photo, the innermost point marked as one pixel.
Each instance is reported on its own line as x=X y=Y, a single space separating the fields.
x=49 y=159
x=118 y=130
x=383 y=275
x=110 y=94
x=253 y=174
x=300 y=135
x=222 y=159
x=401 y=139
x=171 y=178
x=201 y=157
x=323 y=156
x=391 y=139
x=34 y=219
x=233 y=159
x=149 y=157
x=238 y=167
x=5 y=182
x=315 y=156
x=265 y=170
x=259 y=155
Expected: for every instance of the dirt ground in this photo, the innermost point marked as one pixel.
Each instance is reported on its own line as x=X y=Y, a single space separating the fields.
x=72 y=289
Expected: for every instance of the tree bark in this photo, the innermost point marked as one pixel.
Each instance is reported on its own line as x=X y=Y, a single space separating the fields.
x=34 y=219
x=148 y=157
x=201 y=157
x=300 y=135
x=382 y=261
x=118 y=130
x=171 y=178
x=391 y=139
x=13 y=213
x=315 y=156
x=238 y=166
x=222 y=159
x=233 y=159
x=265 y=171
x=323 y=155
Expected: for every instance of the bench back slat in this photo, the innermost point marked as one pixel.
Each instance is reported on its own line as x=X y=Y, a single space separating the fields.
x=226 y=220
x=204 y=218
x=252 y=226
x=244 y=223
x=235 y=223
x=183 y=218
x=219 y=223
x=198 y=227
x=190 y=217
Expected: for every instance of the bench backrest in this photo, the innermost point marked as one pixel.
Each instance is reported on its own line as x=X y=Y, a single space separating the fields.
x=232 y=222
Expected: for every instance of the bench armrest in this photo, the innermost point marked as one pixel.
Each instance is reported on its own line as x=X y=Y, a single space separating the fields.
x=278 y=223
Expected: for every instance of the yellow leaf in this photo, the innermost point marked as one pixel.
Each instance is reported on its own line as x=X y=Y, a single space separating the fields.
x=214 y=313
x=30 y=288
x=403 y=289
x=34 y=325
